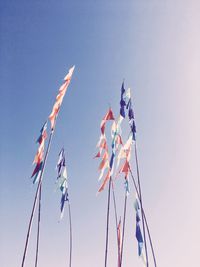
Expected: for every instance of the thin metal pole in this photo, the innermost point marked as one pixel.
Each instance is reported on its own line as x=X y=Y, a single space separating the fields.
x=140 y=194
x=70 y=230
x=124 y=223
x=116 y=222
x=107 y=224
x=35 y=200
x=145 y=219
x=38 y=225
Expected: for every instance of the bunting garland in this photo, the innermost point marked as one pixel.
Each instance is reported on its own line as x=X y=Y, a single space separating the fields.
x=59 y=97
x=38 y=160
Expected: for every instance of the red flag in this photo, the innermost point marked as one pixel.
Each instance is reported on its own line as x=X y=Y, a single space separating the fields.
x=104 y=160
x=108 y=117
x=107 y=177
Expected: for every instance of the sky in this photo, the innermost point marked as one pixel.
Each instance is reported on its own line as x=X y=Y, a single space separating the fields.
x=154 y=46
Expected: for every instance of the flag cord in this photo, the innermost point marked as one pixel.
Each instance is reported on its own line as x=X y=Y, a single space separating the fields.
x=38 y=225
x=124 y=223
x=116 y=222
x=35 y=200
x=140 y=194
x=145 y=219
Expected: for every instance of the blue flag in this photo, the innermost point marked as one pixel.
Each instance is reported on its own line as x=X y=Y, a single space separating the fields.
x=122 y=102
x=138 y=233
x=62 y=180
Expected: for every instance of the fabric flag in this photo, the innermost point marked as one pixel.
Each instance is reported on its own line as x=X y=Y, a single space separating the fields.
x=130 y=114
x=138 y=233
x=106 y=179
x=102 y=145
x=109 y=116
x=125 y=153
x=122 y=102
x=116 y=140
x=62 y=180
x=60 y=96
x=61 y=162
x=38 y=160
x=126 y=185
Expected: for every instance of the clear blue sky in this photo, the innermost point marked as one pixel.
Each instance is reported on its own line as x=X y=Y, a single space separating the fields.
x=154 y=45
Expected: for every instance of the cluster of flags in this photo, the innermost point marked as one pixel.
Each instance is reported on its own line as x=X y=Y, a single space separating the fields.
x=103 y=151
x=62 y=180
x=59 y=97
x=39 y=157
x=123 y=153
x=118 y=150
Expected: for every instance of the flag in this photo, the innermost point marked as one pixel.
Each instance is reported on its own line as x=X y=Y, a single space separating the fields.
x=138 y=233
x=125 y=153
x=38 y=160
x=122 y=102
x=62 y=180
x=61 y=162
x=109 y=116
x=106 y=179
x=60 y=96
x=126 y=185
x=130 y=113
x=102 y=145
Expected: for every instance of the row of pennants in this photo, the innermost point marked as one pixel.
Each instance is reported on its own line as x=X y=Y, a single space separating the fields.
x=120 y=153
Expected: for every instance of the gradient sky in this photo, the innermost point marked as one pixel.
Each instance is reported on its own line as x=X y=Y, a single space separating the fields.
x=155 y=46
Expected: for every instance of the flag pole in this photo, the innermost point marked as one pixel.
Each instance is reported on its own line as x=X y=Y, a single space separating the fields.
x=107 y=223
x=116 y=221
x=70 y=229
x=38 y=225
x=145 y=219
x=124 y=223
x=35 y=200
x=140 y=194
